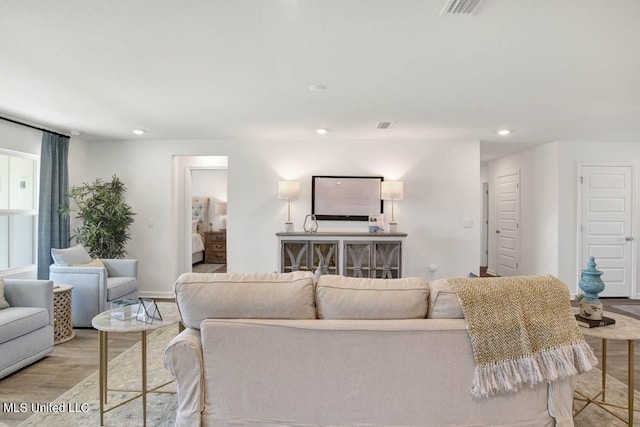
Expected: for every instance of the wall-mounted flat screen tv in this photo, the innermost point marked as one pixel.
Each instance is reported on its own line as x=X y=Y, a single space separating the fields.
x=346 y=198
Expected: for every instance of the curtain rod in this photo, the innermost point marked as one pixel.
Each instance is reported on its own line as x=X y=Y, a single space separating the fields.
x=33 y=127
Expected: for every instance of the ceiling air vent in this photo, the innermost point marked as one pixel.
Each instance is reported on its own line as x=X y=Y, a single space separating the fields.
x=384 y=125
x=460 y=7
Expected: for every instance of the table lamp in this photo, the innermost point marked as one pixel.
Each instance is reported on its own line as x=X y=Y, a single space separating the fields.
x=288 y=190
x=221 y=211
x=392 y=190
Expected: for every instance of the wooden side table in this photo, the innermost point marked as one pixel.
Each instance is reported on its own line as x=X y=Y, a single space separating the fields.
x=62 y=324
x=215 y=247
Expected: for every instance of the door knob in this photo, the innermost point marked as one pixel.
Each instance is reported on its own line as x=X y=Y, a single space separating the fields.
x=628 y=239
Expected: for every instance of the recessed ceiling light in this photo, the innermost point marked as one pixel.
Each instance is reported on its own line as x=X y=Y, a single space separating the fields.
x=317 y=88
x=504 y=132
x=321 y=131
x=138 y=131
x=74 y=132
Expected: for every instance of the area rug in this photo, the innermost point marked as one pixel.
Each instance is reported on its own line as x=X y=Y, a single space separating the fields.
x=629 y=308
x=81 y=405
x=592 y=416
x=207 y=268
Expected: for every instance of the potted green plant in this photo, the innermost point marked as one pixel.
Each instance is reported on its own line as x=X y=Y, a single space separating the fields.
x=104 y=217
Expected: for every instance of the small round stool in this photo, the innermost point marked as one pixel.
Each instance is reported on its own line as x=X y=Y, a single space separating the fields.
x=62 y=325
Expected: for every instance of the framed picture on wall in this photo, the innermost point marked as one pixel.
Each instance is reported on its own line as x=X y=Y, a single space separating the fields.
x=376 y=223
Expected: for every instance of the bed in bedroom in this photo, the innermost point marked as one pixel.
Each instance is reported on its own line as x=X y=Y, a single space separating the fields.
x=199 y=224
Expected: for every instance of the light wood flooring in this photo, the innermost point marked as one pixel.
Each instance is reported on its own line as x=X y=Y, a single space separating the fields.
x=70 y=363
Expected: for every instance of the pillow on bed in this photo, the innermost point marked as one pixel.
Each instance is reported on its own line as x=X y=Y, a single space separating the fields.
x=194 y=226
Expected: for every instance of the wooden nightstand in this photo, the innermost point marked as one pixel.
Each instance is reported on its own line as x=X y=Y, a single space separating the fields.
x=215 y=247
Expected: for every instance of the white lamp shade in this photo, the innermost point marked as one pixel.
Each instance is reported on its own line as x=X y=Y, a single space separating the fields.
x=392 y=190
x=288 y=190
x=220 y=209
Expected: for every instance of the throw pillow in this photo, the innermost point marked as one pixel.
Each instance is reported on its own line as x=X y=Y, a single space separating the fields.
x=70 y=256
x=194 y=226
x=3 y=301
x=339 y=297
x=94 y=263
x=443 y=301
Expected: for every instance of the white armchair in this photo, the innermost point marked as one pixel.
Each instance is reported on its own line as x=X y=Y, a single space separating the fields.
x=94 y=286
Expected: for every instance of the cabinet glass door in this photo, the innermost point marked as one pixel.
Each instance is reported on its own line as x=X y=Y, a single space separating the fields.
x=386 y=259
x=325 y=255
x=295 y=256
x=357 y=259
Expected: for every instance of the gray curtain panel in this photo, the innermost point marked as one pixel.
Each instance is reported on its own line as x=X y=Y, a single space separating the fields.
x=53 y=231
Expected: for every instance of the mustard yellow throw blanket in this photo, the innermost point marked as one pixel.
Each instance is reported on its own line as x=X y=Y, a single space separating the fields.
x=522 y=332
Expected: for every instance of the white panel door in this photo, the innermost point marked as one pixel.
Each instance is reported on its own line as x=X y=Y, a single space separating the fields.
x=606 y=225
x=508 y=227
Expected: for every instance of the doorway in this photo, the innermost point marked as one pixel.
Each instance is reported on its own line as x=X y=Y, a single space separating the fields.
x=209 y=207
x=484 y=236
x=183 y=167
x=508 y=225
x=605 y=222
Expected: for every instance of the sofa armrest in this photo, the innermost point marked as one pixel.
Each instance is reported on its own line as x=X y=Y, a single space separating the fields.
x=183 y=359
x=121 y=267
x=561 y=400
x=30 y=293
x=89 y=284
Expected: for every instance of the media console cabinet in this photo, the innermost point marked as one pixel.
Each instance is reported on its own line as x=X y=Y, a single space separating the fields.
x=353 y=254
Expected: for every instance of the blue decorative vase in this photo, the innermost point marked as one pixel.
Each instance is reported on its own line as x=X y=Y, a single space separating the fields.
x=591 y=285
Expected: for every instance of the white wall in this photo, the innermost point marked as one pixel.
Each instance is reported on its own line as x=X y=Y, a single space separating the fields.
x=440 y=192
x=570 y=155
x=538 y=208
x=20 y=138
x=549 y=192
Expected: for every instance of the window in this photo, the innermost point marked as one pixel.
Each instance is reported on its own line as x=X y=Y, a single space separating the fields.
x=18 y=210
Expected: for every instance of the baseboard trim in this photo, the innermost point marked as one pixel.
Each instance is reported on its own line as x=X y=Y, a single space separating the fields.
x=491 y=272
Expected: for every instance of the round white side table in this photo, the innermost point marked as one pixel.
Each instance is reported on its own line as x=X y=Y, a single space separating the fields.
x=625 y=329
x=104 y=323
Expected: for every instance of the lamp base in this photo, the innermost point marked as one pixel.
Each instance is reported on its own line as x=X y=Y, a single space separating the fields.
x=393 y=227
x=288 y=227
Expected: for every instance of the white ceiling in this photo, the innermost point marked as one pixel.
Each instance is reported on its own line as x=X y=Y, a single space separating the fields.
x=548 y=69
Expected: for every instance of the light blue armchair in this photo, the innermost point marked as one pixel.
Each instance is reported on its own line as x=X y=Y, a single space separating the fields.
x=26 y=327
x=95 y=287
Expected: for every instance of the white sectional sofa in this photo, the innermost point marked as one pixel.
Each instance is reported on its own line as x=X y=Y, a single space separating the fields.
x=277 y=349
x=26 y=326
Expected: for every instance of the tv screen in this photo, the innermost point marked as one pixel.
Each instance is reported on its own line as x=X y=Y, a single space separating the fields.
x=346 y=198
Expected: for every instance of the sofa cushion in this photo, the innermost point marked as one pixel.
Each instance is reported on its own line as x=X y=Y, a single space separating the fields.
x=339 y=297
x=18 y=321
x=117 y=287
x=244 y=296
x=70 y=256
x=443 y=301
x=3 y=302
